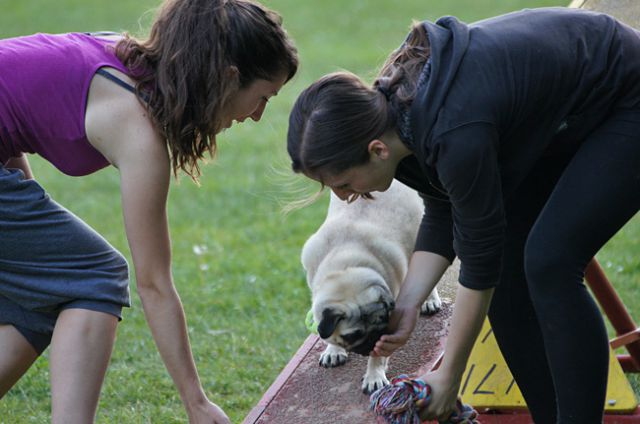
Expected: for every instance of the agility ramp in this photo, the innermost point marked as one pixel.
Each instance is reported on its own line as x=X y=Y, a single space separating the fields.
x=306 y=393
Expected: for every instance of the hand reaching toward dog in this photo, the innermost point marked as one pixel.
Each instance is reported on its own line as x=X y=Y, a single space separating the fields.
x=425 y=270
x=401 y=324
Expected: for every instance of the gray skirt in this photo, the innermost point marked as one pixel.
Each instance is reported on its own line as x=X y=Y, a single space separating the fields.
x=50 y=260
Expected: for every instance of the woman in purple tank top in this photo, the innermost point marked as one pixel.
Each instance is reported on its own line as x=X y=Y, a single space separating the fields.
x=151 y=108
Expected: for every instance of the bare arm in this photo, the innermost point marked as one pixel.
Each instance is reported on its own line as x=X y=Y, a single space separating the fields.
x=468 y=316
x=144 y=193
x=140 y=155
x=471 y=306
x=144 y=186
x=21 y=162
x=425 y=270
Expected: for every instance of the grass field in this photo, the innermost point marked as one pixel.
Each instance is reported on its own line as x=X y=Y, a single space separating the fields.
x=236 y=255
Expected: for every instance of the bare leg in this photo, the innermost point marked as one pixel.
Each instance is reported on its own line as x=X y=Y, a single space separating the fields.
x=80 y=351
x=16 y=356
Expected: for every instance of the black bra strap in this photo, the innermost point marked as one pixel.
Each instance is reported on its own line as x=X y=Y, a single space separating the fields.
x=102 y=33
x=121 y=83
x=115 y=79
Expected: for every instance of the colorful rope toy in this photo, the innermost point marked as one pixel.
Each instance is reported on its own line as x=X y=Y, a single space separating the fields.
x=401 y=401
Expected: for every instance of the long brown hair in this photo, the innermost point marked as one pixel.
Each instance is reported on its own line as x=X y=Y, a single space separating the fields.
x=335 y=118
x=198 y=54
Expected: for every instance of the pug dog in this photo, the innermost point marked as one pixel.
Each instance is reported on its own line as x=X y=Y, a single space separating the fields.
x=355 y=263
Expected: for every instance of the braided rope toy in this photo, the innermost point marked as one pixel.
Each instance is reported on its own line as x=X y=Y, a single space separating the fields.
x=401 y=401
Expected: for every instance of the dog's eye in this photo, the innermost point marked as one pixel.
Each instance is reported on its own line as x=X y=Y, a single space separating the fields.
x=353 y=337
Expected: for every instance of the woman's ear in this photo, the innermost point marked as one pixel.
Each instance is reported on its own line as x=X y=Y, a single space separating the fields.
x=232 y=71
x=378 y=149
x=232 y=75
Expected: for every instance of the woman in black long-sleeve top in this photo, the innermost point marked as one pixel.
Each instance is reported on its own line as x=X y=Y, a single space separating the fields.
x=522 y=132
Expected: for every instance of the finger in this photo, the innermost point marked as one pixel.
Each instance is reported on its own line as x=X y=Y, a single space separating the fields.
x=391 y=343
x=383 y=352
x=396 y=338
x=380 y=351
x=385 y=349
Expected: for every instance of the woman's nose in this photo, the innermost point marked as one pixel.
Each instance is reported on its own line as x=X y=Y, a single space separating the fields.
x=342 y=193
x=256 y=115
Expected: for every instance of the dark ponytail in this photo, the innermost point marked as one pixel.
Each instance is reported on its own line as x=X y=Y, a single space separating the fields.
x=334 y=119
x=332 y=123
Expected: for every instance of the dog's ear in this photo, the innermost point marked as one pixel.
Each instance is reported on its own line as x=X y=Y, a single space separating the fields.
x=330 y=319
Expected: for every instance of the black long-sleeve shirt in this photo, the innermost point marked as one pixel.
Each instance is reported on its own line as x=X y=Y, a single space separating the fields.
x=501 y=95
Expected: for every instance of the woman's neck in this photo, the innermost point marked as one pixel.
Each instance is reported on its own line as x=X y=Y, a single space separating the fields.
x=397 y=149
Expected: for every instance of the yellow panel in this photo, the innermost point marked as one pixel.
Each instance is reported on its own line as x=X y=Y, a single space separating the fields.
x=620 y=395
x=488 y=383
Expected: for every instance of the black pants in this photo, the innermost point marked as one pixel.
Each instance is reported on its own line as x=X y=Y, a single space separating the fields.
x=545 y=321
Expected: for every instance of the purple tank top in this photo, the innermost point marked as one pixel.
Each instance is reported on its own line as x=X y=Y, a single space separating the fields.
x=44 y=82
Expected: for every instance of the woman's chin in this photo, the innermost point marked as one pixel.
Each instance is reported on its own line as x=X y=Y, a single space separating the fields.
x=385 y=186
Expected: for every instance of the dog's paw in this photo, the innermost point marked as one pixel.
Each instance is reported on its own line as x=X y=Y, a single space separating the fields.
x=333 y=356
x=433 y=303
x=373 y=381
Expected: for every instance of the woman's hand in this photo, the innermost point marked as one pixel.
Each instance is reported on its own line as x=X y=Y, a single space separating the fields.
x=470 y=311
x=425 y=270
x=207 y=412
x=401 y=324
x=444 y=394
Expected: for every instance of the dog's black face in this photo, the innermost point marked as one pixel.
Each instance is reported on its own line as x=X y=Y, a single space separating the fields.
x=359 y=329
x=366 y=346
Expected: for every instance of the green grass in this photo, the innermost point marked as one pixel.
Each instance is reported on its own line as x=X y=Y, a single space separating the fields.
x=244 y=295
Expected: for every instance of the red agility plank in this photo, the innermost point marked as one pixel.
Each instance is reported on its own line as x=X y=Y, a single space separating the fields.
x=305 y=392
